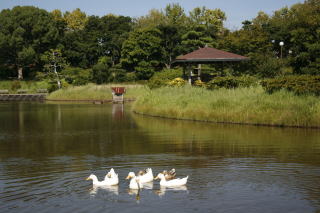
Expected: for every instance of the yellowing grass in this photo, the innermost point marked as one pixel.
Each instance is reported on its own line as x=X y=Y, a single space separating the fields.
x=94 y=92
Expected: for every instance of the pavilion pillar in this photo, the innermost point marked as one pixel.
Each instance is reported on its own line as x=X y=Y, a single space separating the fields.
x=199 y=72
x=189 y=70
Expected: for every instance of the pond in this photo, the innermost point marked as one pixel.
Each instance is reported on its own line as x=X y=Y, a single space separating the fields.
x=47 y=150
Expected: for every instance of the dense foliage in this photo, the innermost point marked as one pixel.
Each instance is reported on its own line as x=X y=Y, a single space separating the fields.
x=232 y=82
x=303 y=84
x=164 y=77
x=118 y=48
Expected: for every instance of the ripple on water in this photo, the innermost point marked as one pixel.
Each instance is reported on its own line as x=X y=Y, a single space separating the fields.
x=230 y=168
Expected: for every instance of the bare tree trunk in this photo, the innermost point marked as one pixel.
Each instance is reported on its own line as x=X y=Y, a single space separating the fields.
x=58 y=80
x=20 y=73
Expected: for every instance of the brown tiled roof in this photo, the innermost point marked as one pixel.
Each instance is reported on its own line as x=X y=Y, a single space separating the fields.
x=208 y=54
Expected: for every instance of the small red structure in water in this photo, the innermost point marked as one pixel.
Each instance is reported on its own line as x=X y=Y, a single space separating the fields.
x=118 y=90
x=117 y=94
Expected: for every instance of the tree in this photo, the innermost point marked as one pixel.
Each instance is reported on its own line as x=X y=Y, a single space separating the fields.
x=171 y=43
x=26 y=32
x=211 y=19
x=175 y=15
x=152 y=19
x=25 y=57
x=54 y=62
x=252 y=41
x=115 y=30
x=101 y=71
x=195 y=38
x=305 y=37
x=100 y=37
x=142 y=52
x=76 y=20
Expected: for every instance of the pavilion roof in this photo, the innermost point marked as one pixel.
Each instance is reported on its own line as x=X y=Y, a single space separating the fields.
x=208 y=54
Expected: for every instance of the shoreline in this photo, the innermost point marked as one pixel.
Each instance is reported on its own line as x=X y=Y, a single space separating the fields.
x=226 y=122
x=90 y=100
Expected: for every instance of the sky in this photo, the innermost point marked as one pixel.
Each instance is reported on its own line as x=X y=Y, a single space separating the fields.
x=236 y=10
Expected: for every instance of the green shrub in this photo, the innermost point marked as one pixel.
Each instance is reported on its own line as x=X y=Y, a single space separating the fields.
x=119 y=74
x=53 y=85
x=130 y=77
x=144 y=70
x=15 y=85
x=270 y=67
x=300 y=84
x=231 y=82
x=39 y=76
x=199 y=83
x=162 y=78
x=101 y=73
x=77 y=76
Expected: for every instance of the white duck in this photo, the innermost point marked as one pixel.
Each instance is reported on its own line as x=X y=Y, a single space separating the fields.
x=171 y=183
x=134 y=182
x=145 y=176
x=111 y=174
x=110 y=179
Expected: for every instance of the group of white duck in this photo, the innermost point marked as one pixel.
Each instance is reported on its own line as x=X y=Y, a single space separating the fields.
x=167 y=179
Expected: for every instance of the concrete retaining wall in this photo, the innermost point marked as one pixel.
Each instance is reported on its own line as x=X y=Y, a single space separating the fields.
x=23 y=97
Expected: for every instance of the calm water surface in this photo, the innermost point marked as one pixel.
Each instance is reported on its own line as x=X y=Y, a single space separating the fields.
x=47 y=151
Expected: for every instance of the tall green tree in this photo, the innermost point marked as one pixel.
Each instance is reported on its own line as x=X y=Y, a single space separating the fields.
x=142 y=52
x=175 y=15
x=212 y=20
x=171 y=43
x=305 y=37
x=115 y=30
x=195 y=38
x=152 y=19
x=100 y=37
x=25 y=33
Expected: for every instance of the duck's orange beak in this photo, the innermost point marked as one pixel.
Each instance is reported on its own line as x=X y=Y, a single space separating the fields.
x=88 y=178
x=128 y=177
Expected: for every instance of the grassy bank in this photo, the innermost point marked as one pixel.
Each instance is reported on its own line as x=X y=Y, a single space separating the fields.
x=243 y=105
x=94 y=92
x=31 y=86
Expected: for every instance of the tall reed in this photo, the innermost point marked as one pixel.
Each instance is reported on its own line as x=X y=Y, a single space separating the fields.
x=241 y=105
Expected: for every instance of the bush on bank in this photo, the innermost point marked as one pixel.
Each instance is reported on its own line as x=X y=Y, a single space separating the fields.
x=162 y=78
x=231 y=82
x=301 y=84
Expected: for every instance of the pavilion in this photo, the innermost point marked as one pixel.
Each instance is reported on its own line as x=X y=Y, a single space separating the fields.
x=207 y=55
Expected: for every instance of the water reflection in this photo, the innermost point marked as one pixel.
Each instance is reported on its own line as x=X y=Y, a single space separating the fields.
x=117 y=111
x=136 y=193
x=148 y=185
x=46 y=148
x=111 y=189
x=162 y=191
